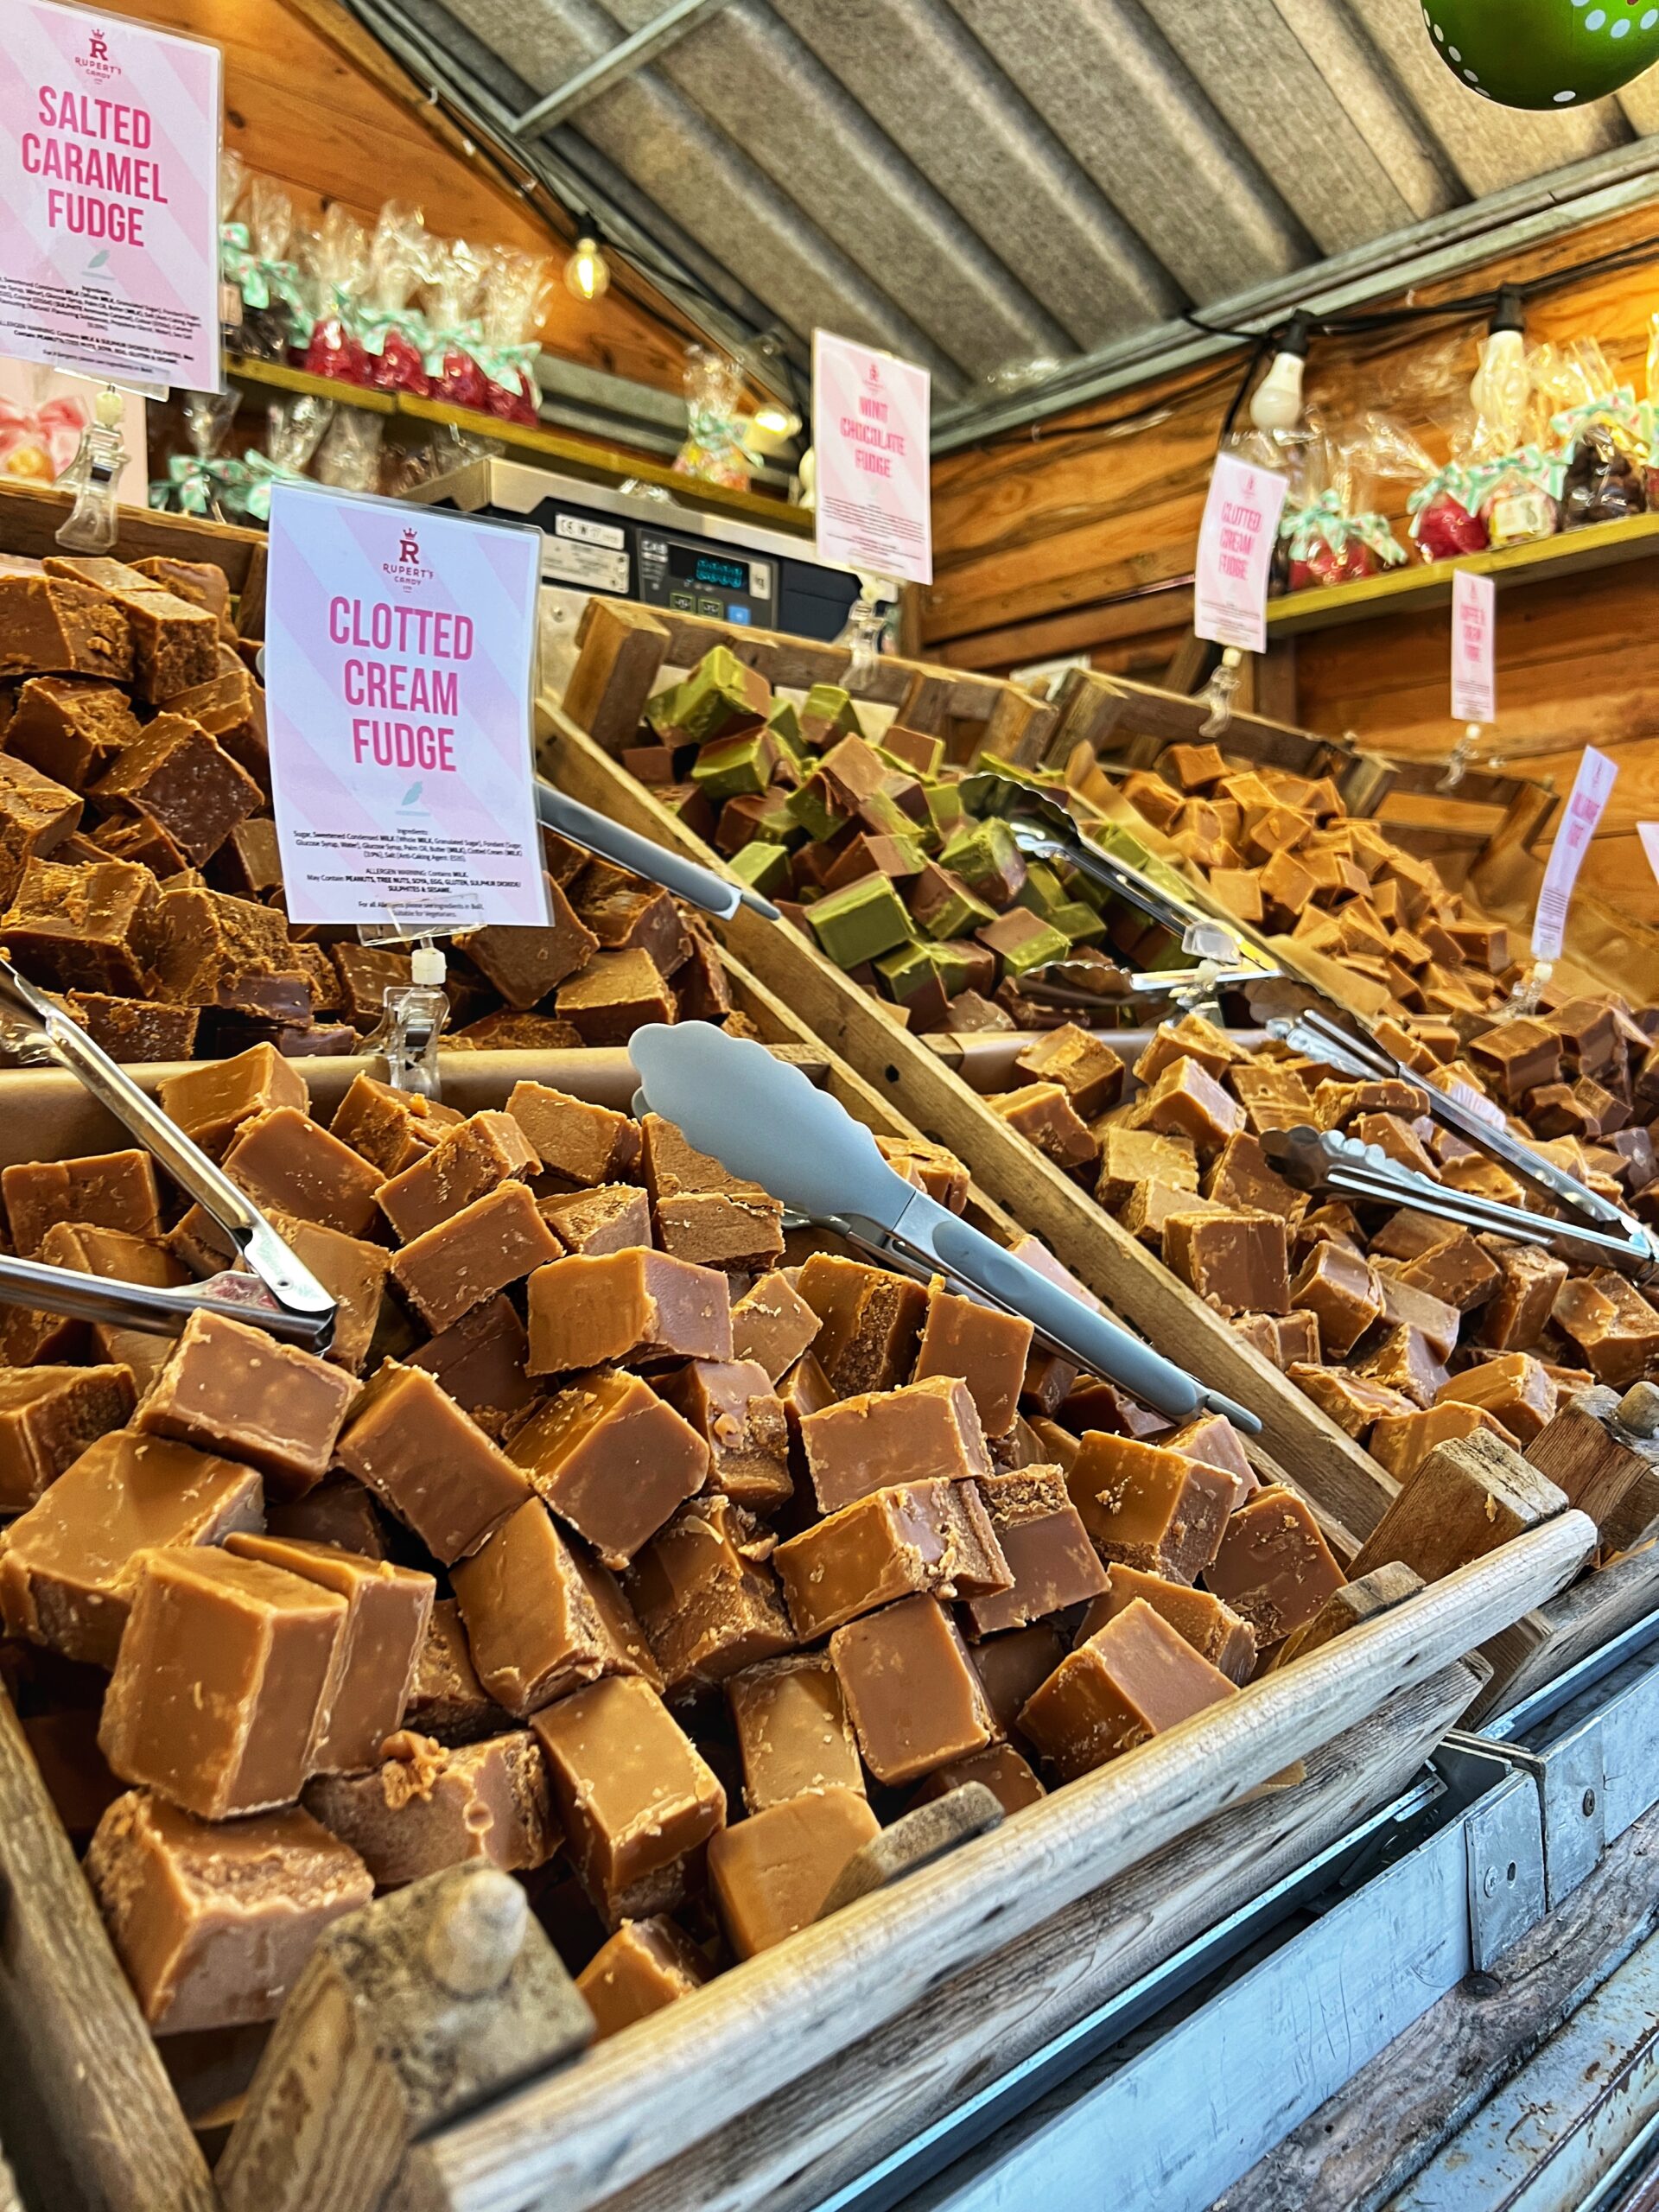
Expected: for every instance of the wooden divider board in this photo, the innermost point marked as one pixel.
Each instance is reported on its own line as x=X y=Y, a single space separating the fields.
x=32 y=515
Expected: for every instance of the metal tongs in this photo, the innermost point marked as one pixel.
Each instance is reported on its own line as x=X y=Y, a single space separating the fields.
x=279 y=1295
x=1326 y=1163
x=596 y=833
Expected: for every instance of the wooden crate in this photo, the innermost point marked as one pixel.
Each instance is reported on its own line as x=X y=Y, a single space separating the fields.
x=32 y=515
x=1348 y=1487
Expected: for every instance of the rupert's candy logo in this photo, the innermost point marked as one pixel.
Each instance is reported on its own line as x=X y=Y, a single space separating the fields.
x=96 y=62
x=406 y=569
x=409 y=548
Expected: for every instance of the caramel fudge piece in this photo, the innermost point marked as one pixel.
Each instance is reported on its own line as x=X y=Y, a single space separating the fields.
x=1355 y=1404
x=179 y=776
x=615 y=994
x=1403 y=1361
x=212 y=950
x=1148 y=1507
x=466 y=1163
x=1146 y=1211
x=59 y=624
x=200 y=584
x=1273 y=1566
x=340 y=1513
x=634 y=1796
x=609 y=1218
x=870 y=1323
x=1529 y=1283
x=36 y=815
x=910 y=1689
x=706 y=1596
x=733 y=1407
x=999 y=1768
x=930 y=1167
x=702 y=1213
x=1214 y=1632
x=387 y=1608
x=480 y=1363
x=69 y=1567
x=1404 y=1304
x=772 y=1326
x=432 y=1466
x=222 y=1668
x=612 y=1459
x=497 y=1240
x=427 y=1807
x=1044 y=1116
x=1238 y=1262
x=1612 y=1324
x=352 y=1272
x=1134 y=1679
x=1522 y=1055
x=1455 y=1270
x=211 y=1102
x=48 y=1417
x=108 y=1189
x=646 y=1965
x=984 y=1348
x=525 y=965
x=1084 y=1066
x=1213 y=1440
x=541 y=1620
x=1400 y=1442
x=213 y=1922
x=365 y=975
x=69 y=729
x=1516 y=1390
x=772 y=1873
x=133 y=1029
x=93 y=926
x=230 y=1389
x=634 y=1305
x=445 y=1698
x=1011 y=1667
x=286 y=1163
x=792 y=1731
x=868 y=1443
x=585 y=1143
x=174 y=644
x=1186 y=1100
x=932 y=1537
x=1042 y=1537
x=1240 y=1178
x=1190 y=1038
x=389 y=1128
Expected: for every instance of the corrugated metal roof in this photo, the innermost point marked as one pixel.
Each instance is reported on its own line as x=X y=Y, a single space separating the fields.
x=981 y=184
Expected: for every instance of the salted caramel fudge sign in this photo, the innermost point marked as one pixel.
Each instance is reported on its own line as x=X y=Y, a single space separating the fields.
x=109 y=197
x=399 y=658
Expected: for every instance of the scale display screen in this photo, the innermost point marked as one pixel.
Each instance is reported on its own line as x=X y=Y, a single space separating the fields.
x=714 y=571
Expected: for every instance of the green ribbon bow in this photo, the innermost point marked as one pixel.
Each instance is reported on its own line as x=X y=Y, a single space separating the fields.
x=1616 y=409
x=1456 y=480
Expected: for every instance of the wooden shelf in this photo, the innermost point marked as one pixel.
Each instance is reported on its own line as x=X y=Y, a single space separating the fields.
x=1424 y=585
x=281 y=377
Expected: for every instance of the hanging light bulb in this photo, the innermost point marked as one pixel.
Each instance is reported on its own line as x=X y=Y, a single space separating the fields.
x=776 y=421
x=587 y=274
x=1503 y=358
x=1276 y=403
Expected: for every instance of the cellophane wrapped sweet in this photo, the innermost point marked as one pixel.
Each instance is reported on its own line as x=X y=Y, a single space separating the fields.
x=392 y=329
x=1594 y=431
x=294 y=428
x=206 y=480
x=1517 y=484
x=336 y=271
x=712 y=451
x=1336 y=534
x=1444 y=504
x=456 y=338
x=513 y=299
x=348 y=459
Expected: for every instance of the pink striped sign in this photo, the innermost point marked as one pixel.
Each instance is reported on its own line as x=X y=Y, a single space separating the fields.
x=399 y=661
x=109 y=197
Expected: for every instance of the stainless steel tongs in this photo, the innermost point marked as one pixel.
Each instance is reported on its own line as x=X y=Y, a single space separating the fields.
x=279 y=1295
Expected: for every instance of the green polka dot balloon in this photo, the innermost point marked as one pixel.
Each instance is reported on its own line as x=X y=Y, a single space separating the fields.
x=1544 y=53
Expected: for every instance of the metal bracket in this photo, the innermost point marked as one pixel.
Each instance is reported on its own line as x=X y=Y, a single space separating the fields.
x=1570 y=1782
x=1503 y=1839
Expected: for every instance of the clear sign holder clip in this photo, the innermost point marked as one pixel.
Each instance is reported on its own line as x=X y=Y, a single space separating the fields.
x=1525 y=998
x=1462 y=754
x=413 y=1013
x=1221 y=691
x=92 y=475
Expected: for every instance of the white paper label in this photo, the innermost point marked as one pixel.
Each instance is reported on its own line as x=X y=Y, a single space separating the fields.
x=1474 y=619
x=589 y=533
x=870 y=429
x=591 y=566
x=1235 y=556
x=1649 y=833
x=1591 y=787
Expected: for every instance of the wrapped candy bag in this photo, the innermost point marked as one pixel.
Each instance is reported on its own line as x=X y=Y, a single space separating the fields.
x=1335 y=535
x=1520 y=497
x=336 y=267
x=256 y=256
x=40 y=430
x=205 y=480
x=295 y=430
x=348 y=458
x=1594 y=430
x=393 y=331
x=712 y=451
x=456 y=284
x=515 y=292
x=1444 y=503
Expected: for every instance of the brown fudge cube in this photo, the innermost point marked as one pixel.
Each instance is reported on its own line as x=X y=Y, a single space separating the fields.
x=469 y=1161
x=913 y=1696
x=1403 y=1304
x=174 y=644
x=633 y=915
x=612 y=1459
x=1342 y=1293
x=480 y=1363
x=1273 y=1567
x=541 y=1619
x=1011 y=1667
x=870 y=1323
x=36 y=815
x=250 y=866
x=615 y=994
x=733 y=1407
x=1149 y=1507
x=526 y=964
x=428 y=1806
x=1612 y=1324
x=706 y=1596
x=1516 y=1390
x=1529 y=1283
x=233 y=707
x=213 y=1922
x=350 y=1271
x=392 y=1130
x=227 y=953
x=1190 y=1038
x=1213 y=1440
x=1186 y=1100
x=1239 y=1177
x=430 y=1463
x=792 y=1731
x=1401 y=1442
x=773 y=1872
x=930 y=1167
x=634 y=1304
x=1351 y=1401
x=1046 y=1546
x=1131 y=1157
x=70 y=730
x=913 y=1434
x=646 y=1965
x=110 y=1190
x=1214 y=1632
x=983 y=1347
x=340 y=1513
x=133 y=1029
x=48 y=1417
x=931 y=1536
x=89 y=927
x=1046 y=1117
x=1146 y=1211
x=200 y=584
x=1454 y=1270
x=211 y=1102
x=69 y=1566
x=1404 y=1361
x=1238 y=1262
x=1133 y=1678
x=223 y=1666
x=179 y=776
x=497 y=1240
x=1522 y=1055
x=634 y=1795
x=1084 y=1066
x=702 y=1213
x=586 y=1144
x=366 y=974
x=446 y=1700
x=285 y=1162
x=227 y=1388
x=55 y=624
x=610 y=1218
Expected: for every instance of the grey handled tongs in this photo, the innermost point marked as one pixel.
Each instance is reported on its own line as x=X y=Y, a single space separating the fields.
x=597 y=833
x=278 y=1295
x=1324 y=1162
x=766 y=1121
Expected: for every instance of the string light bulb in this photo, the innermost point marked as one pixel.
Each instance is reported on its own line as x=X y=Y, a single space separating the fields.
x=1276 y=403
x=772 y=425
x=1503 y=359
x=587 y=274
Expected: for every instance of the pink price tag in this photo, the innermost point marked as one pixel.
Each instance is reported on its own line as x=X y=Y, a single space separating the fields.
x=870 y=418
x=1235 y=556
x=399 y=661
x=1474 y=684
x=1591 y=788
x=109 y=197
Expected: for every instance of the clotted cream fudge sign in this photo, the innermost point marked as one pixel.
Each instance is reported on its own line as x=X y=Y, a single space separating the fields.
x=399 y=661
x=109 y=197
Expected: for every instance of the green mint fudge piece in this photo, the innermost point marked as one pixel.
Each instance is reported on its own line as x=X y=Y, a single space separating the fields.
x=907 y=970
x=763 y=866
x=943 y=905
x=1022 y=941
x=719 y=694
x=1081 y=923
x=814 y=810
x=861 y=922
x=829 y=713
x=733 y=766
